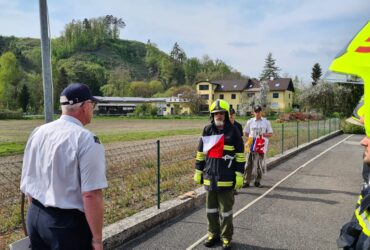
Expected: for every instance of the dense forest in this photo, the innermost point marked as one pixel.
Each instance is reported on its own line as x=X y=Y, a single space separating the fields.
x=90 y=51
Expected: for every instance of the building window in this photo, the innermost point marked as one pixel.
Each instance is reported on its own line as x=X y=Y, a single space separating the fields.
x=203 y=87
x=221 y=96
x=275 y=95
x=204 y=108
x=289 y=95
x=250 y=94
x=204 y=97
x=233 y=96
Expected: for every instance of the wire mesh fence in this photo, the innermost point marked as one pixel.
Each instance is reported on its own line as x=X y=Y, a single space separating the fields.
x=132 y=172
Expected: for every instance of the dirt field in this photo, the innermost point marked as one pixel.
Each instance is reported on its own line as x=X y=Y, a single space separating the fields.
x=19 y=130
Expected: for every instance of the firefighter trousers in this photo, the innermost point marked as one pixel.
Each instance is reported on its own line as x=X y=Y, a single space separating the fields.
x=220 y=213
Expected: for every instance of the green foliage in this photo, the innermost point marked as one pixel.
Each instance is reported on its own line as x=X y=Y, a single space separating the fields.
x=86 y=72
x=10 y=76
x=329 y=98
x=24 y=98
x=88 y=34
x=10 y=114
x=90 y=51
x=118 y=83
x=146 y=109
x=350 y=128
x=35 y=86
x=62 y=81
x=270 y=69
x=316 y=73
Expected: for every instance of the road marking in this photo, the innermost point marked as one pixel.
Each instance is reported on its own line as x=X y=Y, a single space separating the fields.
x=272 y=188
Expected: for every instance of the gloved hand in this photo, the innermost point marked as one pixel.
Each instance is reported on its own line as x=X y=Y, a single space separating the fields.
x=198 y=176
x=238 y=180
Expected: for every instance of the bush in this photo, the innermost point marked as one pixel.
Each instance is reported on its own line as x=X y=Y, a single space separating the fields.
x=350 y=128
x=9 y=114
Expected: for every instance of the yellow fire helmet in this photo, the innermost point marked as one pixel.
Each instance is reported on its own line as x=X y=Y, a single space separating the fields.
x=355 y=60
x=358 y=113
x=220 y=106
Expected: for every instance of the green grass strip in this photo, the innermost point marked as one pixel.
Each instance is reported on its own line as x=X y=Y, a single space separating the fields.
x=11 y=148
x=144 y=135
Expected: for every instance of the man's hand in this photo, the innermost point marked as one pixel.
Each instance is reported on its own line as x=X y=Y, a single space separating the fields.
x=238 y=180
x=198 y=176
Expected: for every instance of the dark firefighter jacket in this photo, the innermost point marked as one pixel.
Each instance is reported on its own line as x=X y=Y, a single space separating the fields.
x=356 y=233
x=219 y=173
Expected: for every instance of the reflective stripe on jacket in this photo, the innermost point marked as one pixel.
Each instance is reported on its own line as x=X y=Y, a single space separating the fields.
x=219 y=173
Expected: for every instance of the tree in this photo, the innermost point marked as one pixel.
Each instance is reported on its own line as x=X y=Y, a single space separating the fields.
x=60 y=83
x=118 y=83
x=263 y=97
x=297 y=91
x=10 y=76
x=34 y=81
x=329 y=98
x=194 y=101
x=316 y=73
x=270 y=70
x=178 y=54
x=192 y=68
x=139 y=89
x=24 y=98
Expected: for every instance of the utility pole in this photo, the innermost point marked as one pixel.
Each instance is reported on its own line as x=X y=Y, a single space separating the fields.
x=46 y=61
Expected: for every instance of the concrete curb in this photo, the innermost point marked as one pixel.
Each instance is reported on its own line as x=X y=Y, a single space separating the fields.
x=124 y=230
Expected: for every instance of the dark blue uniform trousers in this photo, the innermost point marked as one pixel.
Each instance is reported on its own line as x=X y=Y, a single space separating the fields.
x=55 y=228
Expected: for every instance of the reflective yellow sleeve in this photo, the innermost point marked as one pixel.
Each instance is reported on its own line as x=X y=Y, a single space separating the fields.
x=200 y=156
x=239 y=157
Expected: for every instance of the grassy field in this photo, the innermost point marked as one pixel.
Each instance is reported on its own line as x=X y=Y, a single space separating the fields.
x=130 y=146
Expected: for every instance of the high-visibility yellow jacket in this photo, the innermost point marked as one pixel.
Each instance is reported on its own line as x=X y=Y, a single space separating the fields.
x=356 y=233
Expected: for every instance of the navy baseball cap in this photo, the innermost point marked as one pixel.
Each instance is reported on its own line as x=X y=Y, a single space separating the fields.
x=75 y=93
x=257 y=108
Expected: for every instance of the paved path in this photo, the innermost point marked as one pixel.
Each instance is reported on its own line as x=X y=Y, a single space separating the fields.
x=302 y=205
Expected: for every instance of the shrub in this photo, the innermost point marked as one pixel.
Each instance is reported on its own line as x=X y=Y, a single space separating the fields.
x=350 y=128
x=9 y=114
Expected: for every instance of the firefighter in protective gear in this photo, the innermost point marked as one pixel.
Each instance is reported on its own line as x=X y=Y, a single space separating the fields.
x=355 y=60
x=219 y=165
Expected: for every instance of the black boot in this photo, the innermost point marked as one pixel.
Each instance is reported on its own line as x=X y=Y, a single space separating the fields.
x=226 y=245
x=211 y=241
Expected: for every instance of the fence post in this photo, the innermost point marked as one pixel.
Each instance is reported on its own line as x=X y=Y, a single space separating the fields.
x=282 y=138
x=308 y=130
x=158 y=175
x=297 y=134
x=324 y=126
x=329 y=125
x=317 y=128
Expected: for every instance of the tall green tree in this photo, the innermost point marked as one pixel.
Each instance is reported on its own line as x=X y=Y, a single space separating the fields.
x=192 y=68
x=24 y=98
x=316 y=73
x=270 y=70
x=118 y=83
x=61 y=82
x=10 y=76
x=178 y=54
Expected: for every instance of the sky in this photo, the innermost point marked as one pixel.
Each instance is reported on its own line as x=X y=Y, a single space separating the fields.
x=298 y=33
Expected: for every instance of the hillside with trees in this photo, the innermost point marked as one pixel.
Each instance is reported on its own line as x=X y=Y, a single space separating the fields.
x=91 y=51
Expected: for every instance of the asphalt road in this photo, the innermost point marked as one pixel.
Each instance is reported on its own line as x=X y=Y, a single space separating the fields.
x=302 y=205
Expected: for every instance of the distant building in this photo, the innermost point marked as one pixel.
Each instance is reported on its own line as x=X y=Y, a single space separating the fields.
x=237 y=92
x=125 y=105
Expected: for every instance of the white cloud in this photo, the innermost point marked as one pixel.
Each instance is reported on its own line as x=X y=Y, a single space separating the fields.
x=298 y=33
